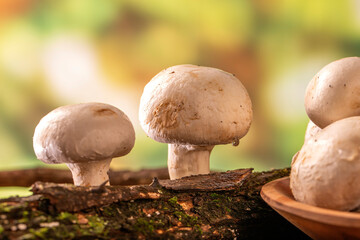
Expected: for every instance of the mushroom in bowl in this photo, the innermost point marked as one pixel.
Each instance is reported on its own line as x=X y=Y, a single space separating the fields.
x=333 y=93
x=325 y=172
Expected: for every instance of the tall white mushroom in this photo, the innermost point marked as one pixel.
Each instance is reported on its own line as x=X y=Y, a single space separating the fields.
x=325 y=172
x=194 y=108
x=334 y=92
x=85 y=137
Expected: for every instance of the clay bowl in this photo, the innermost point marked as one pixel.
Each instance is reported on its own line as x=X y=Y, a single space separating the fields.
x=318 y=223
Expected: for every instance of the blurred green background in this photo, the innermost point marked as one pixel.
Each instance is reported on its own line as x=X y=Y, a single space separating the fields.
x=55 y=53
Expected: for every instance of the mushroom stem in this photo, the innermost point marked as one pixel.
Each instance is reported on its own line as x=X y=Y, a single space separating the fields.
x=187 y=160
x=90 y=173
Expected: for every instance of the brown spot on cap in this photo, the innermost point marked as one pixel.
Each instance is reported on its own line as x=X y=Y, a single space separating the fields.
x=165 y=115
x=103 y=112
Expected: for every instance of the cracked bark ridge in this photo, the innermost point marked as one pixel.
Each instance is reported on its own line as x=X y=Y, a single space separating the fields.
x=208 y=182
x=66 y=197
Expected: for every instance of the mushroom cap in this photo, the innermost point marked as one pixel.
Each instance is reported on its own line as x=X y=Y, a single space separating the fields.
x=311 y=130
x=325 y=173
x=188 y=104
x=333 y=93
x=83 y=133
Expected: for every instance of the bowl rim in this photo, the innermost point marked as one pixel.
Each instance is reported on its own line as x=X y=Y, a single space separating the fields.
x=277 y=194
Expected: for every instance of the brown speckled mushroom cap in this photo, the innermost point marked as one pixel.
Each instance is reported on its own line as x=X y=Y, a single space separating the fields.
x=83 y=133
x=334 y=92
x=196 y=105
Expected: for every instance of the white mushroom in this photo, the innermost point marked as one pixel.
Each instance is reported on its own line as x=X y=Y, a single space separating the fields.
x=325 y=172
x=85 y=137
x=311 y=130
x=333 y=93
x=194 y=108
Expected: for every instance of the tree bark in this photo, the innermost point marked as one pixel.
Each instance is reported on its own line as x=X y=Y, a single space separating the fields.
x=223 y=205
x=26 y=177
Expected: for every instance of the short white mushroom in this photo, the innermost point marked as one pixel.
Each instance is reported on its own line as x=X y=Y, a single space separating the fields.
x=85 y=137
x=194 y=108
x=325 y=172
x=333 y=93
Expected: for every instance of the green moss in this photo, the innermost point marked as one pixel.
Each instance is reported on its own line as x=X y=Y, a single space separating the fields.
x=27 y=236
x=1 y=229
x=64 y=232
x=39 y=219
x=173 y=201
x=215 y=195
x=144 y=226
x=185 y=219
x=40 y=232
x=217 y=198
x=216 y=201
x=25 y=213
x=15 y=211
x=5 y=208
x=66 y=217
x=198 y=229
x=110 y=211
x=97 y=225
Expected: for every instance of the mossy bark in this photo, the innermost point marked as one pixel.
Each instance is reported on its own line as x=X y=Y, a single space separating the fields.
x=223 y=213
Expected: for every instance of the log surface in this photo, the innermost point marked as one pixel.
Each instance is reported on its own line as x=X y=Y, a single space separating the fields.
x=26 y=177
x=214 y=206
x=67 y=197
